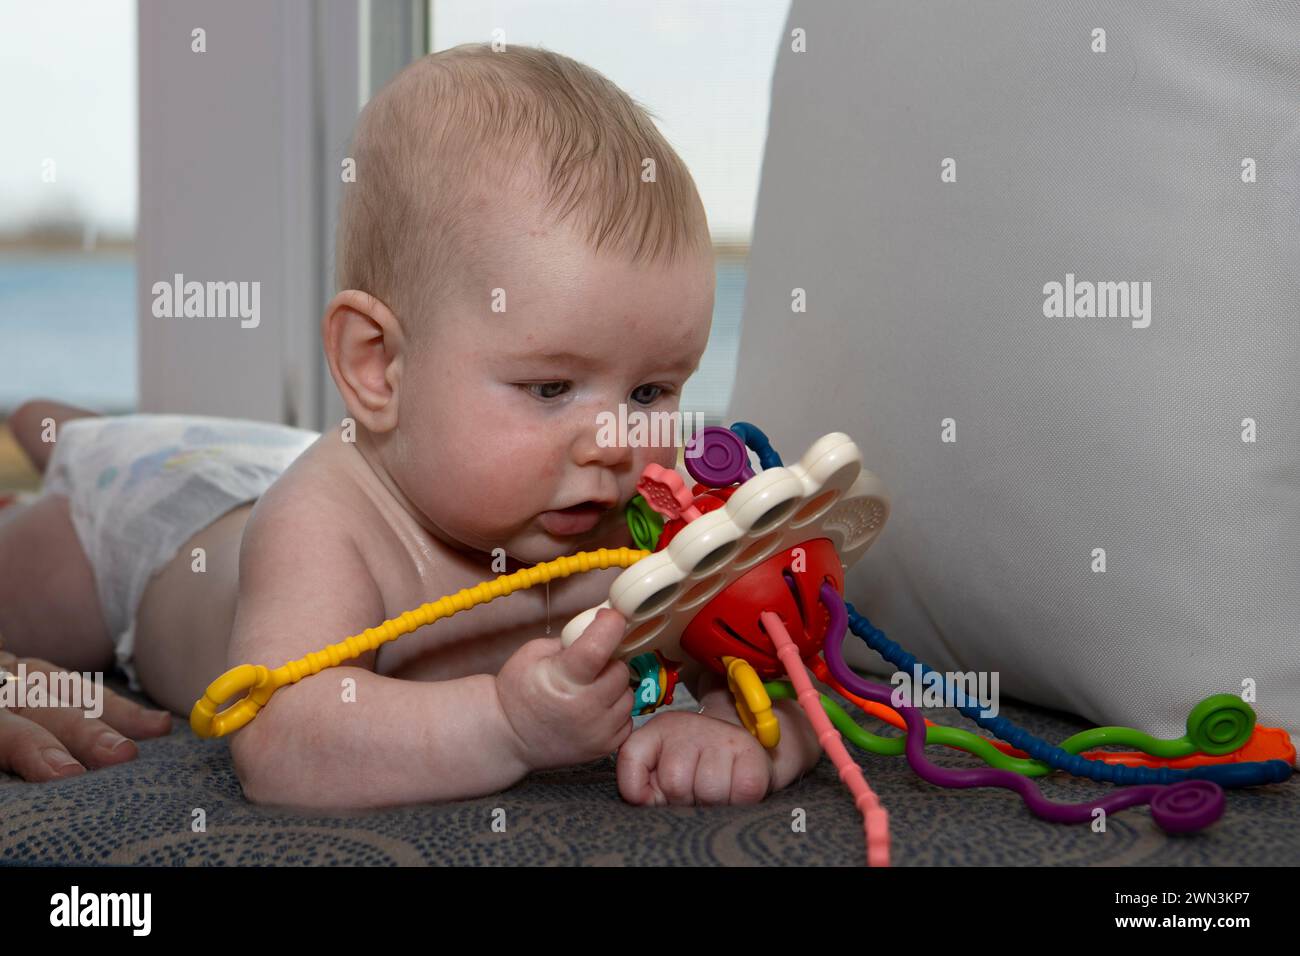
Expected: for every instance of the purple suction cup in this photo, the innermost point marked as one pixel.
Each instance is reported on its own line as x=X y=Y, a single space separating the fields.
x=717 y=457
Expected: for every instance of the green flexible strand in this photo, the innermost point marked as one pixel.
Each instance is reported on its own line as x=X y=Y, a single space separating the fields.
x=1219 y=724
x=1128 y=737
x=894 y=746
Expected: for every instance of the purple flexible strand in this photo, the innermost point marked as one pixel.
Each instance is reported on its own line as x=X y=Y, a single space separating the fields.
x=1198 y=803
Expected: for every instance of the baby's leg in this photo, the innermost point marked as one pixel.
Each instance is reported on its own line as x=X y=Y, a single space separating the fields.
x=27 y=425
x=49 y=607
x=182 y=630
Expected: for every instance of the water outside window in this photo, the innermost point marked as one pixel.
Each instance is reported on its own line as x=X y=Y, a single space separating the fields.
x=68 y=181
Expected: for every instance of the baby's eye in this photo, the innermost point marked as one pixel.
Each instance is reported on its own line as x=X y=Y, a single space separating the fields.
x=546 y=389
x=658 y=391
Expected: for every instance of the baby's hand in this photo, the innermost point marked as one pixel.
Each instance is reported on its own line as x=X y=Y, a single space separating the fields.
x=53 y=742
x=681 y=758
x=568 y=705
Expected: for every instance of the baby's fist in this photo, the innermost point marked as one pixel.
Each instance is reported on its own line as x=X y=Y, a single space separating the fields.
x=568 y=705
x=680 y=759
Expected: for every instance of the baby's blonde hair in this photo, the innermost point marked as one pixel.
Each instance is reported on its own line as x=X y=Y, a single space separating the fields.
x=451 y=125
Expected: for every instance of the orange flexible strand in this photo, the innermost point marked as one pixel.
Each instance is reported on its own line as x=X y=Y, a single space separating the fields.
x=1264 y=743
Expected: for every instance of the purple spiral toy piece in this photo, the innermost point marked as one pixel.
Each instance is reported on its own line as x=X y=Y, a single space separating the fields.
x=717 y=457
x=1187 y=806
x=1183 y=807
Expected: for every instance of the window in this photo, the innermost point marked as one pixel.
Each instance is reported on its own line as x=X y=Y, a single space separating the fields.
x=68 y=184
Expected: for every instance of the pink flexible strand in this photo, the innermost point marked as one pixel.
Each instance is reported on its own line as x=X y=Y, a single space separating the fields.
x=875 y=819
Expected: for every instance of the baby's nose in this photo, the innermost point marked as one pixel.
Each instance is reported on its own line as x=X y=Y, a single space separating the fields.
x=600 y=446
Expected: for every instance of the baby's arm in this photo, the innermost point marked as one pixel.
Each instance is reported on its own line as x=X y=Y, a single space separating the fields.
x=385 y=741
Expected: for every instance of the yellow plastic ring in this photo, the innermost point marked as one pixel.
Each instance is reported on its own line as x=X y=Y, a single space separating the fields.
x=753 y=705
x=245 y=679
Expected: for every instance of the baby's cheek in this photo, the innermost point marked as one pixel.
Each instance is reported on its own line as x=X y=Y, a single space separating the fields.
x=509 y=491
x=665 y=457
x=496 y=488
x=542 y=468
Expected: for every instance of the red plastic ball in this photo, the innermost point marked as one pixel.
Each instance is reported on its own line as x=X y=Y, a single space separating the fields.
x=729 y=624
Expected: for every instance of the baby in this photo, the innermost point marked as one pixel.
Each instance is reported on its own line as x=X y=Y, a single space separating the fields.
x=521 y=251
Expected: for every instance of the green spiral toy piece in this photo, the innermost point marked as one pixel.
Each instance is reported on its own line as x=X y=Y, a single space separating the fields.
x=1217 y=725
x=644 y=522
x=1220 y=724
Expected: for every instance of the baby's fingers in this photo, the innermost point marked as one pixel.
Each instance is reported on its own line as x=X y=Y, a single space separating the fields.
x=135 y=720
x=587 y=657
x=713 y=776
x=751 y=777
x=91 y=741
x=636 y=762
x=127 y=717
x=611 y=685
x=32 y=752
x=676 y=772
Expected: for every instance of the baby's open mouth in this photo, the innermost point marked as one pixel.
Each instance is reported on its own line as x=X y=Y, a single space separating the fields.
x=576 y=519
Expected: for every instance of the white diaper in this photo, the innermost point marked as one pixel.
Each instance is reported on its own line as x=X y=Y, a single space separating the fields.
x=139 y=486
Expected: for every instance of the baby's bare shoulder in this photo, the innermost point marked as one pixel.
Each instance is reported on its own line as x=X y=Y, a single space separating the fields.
x=318 y=498
x=299 y=562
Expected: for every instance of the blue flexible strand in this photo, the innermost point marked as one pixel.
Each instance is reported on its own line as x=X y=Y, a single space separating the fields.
x=757 y=442
x=1228 y=776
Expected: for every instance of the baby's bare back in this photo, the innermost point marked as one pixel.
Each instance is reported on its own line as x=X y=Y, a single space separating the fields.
x=328 y=553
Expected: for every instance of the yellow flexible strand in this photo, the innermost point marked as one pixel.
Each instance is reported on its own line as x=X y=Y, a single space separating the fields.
x=261 y=682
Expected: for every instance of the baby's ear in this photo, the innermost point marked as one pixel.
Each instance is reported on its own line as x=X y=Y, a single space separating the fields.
x=364 y=347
